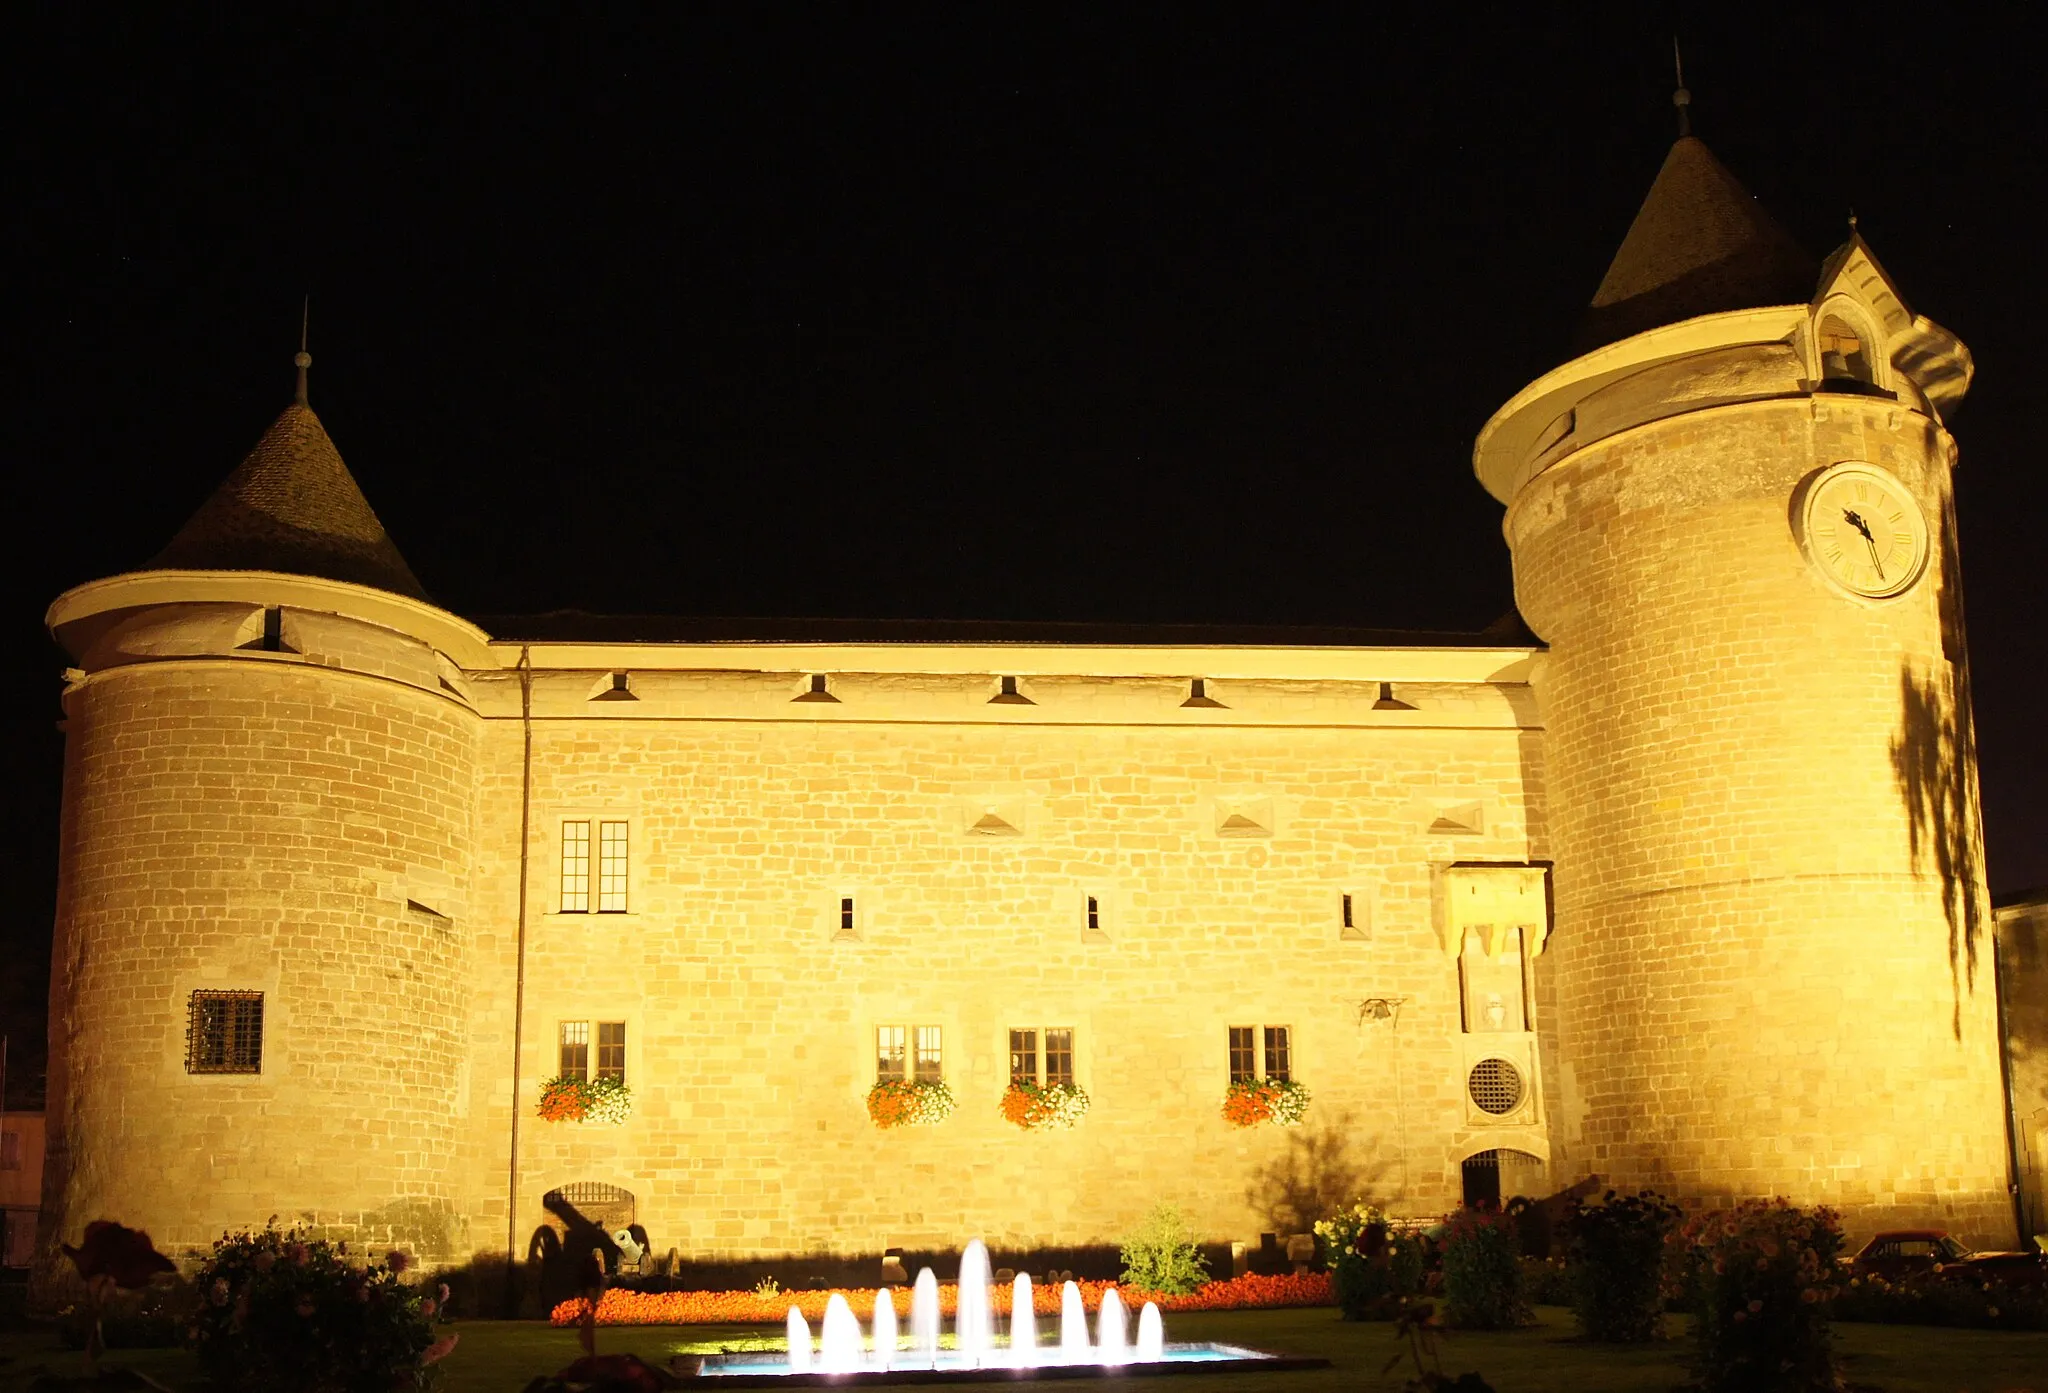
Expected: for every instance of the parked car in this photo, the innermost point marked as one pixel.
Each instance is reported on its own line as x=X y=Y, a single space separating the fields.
x=1903 y=1253
x=1906 y=1253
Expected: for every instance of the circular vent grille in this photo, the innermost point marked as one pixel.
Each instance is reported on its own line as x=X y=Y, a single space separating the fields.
x=1495 y=1085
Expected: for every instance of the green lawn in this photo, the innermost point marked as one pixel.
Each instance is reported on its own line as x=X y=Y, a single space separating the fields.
x=502 y=1355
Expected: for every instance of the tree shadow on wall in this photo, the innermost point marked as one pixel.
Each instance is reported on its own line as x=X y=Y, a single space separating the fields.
x=1935 y=761
x=1319 y=1173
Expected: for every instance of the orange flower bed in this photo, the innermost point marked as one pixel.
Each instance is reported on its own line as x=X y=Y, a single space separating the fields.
x=746 y=1308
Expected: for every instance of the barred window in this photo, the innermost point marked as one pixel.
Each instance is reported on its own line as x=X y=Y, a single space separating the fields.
x=1024 y=1056
x=575 y=1057
x=611 y=1050
x=889 y=1057
x=928 y=1064
x=1244 y=1059
x=1059 y=1056
x=224 y=1033
x=576 y=868
x=611 y=868
x=1279 y=1054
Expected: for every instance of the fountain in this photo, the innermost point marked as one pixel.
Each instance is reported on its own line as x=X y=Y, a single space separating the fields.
x=842 y=1353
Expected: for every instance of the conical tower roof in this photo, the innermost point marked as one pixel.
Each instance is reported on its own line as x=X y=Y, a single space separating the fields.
x=1700 y=244
x=292 y=506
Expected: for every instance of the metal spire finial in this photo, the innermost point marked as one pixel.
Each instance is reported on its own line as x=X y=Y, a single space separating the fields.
x=1681 y=99
x=303 y=358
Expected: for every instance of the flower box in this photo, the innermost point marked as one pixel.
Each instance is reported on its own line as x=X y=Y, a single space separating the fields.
x=1050 y=1107
x=569 y=1099
x=1248 y=1102
x=910 y=1103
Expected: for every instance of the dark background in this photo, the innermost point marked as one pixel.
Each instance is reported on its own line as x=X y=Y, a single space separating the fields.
x=1173 y=314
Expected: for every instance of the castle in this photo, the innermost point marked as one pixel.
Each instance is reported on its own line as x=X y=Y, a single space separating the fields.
x=1687 y=895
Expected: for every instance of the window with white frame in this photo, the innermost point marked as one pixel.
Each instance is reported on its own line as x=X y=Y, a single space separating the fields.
x=1058 y=1056
x=908 y=1052
x=1245 y=1048
x=601 y=888
x=578 y=1060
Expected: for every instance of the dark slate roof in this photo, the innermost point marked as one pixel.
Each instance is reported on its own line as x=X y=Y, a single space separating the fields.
x=1700 y=244
x=292 y=506
x=578 y=626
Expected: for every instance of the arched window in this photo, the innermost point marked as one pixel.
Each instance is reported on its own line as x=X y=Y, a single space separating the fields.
x=1846 y=354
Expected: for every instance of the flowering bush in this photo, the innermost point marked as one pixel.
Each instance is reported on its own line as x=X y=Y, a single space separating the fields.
x=1483 y=1270
x=1248 y=1102
x=1374 y=1268
x=279 y=1311
x=620 y=1307
x=571 y=1099
x=1055 y=1105
x=910 y=1102
x=1761 y=1276
x=1929 y=1298
x=1615 y=1257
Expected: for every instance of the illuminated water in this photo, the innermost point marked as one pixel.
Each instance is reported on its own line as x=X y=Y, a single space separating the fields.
x=844 y=1349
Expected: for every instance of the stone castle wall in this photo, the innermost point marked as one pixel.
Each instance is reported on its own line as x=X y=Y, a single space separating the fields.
x=252 y=822
x=1756 y=987
x=751 y=1029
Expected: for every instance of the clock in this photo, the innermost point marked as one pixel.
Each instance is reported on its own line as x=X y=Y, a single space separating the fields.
x=1863 y=530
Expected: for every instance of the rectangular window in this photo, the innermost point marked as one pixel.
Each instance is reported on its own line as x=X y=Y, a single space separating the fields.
x=928 y=1064
x=611 y=868
x=889 y=1053
x=1349 y=921
x=575 y=868
x=846 y=914
x=1024 y=1056
x=611 y=1050
x=10 y=1151
x=575 y=1058
x=1059 y=1056
x=224 y=1033
x=1244 y=1059
x=1279 y=1058
x=1094 y=913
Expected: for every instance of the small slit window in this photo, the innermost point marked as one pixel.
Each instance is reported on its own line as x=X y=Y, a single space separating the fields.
x=224 y=1033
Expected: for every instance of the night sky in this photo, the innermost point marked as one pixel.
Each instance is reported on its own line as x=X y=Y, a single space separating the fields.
x=1175 y=315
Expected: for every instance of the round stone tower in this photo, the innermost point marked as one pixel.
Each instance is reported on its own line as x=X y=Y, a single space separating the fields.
x=1732 y=522
x=257 y=976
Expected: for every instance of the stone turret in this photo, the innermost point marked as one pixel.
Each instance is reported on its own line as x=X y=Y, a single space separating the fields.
x=1732 y=520
x=265 y=857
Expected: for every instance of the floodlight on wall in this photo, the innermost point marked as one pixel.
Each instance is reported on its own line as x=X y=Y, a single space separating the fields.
x=1388 y=701
x=817 y=690
x=617 y=691
x=1010 y=696
x=1198 y=695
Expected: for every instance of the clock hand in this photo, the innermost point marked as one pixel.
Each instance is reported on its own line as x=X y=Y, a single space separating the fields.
x=1855 y=520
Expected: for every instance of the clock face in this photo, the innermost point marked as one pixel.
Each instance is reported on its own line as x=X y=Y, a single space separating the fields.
x=1864 y=531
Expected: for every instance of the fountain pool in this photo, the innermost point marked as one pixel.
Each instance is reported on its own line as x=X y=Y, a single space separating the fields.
x=844 y=1355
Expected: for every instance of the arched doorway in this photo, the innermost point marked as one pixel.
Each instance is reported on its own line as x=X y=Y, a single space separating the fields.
x=1499 y=1174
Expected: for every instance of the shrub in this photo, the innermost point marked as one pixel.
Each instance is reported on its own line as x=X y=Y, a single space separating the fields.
x=1375 y=1269
x=277 y=1310
x=1482 y=1264
x=1762 y=1274
x=1546 y=1281
x=1950 y=1299
x=153 y=1318
x=1615 y=1260
x=1161 y=1256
